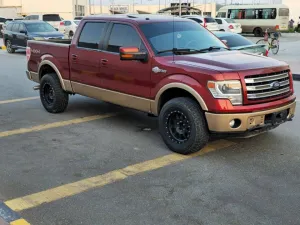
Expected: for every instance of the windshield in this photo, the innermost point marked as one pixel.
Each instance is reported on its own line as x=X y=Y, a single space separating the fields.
x=229 y=20
x=39 y=27
x=236 y=41
x=180 y=35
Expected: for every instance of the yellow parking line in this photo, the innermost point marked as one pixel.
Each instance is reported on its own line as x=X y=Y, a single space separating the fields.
x=67 y=190
x=54 y=125
x=19 y=222
x=18 y=100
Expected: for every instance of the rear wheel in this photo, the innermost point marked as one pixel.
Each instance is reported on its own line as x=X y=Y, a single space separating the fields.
x=182 y=126
x=258 y=32
x=53 y=97
x=263 y=42
x=9 y=47
x=275 y=46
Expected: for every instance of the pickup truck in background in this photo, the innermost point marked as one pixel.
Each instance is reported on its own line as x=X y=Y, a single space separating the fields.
x=170 y=67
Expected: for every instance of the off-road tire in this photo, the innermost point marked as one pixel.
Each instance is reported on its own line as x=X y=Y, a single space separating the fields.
x=60 y=97
x=9 y=48
x=193 y=116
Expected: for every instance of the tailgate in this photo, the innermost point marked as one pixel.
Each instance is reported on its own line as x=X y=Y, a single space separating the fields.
x=55 y=51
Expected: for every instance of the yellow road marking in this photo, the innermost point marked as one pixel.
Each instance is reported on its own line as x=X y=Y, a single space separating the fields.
x=3 y=47
x=54 y=125
x=19 y=222
x=67 y=190
x=18 y=100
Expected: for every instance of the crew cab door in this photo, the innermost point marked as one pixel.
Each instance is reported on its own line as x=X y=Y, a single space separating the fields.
x=22 y=36
x=85 y=55
x=131 y=78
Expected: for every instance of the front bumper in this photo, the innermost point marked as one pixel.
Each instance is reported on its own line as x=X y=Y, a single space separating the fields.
x=249 y=121
x=33 y=76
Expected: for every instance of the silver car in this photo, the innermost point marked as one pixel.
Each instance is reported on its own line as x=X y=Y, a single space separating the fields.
x=207 y=22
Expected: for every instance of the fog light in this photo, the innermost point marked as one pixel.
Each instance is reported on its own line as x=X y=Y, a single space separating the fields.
x=235 y=123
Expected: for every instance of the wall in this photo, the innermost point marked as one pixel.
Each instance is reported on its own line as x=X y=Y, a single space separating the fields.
x=11 y=2
x=10 y=12
x=294 y=6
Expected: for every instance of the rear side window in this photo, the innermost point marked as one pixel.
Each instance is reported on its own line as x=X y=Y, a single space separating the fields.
x=15 y=27
x=91 y=35
x=209 y=20
x=123 y=36
x=196 y=20
x=51 y=17
x=221 y=14
x=219 y=21
x=284 y=12
x=22 y=27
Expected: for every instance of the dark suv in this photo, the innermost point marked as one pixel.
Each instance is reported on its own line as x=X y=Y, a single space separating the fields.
x=17 y=33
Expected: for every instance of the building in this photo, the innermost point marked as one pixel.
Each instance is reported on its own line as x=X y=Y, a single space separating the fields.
x=294 y=6
x=68 y=9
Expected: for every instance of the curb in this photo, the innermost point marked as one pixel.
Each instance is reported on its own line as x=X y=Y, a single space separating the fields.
x=296 y=77
x=3 y=47
x=10 y=217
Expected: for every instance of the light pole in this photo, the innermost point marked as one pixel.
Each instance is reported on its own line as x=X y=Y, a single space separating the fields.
x=179 y=7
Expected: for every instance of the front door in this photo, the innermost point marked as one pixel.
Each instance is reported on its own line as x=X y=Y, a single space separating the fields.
x=131 y=78
x=22 y=36
x=14 y=32
x=85 y=56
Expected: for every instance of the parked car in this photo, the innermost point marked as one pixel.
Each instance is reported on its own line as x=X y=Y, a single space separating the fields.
x=17 y=34
x=229 y=25
x=238 y=42
x=2 y=22
x=166 y=66
x=68 y=27
x=207 y=22
x=53 y=19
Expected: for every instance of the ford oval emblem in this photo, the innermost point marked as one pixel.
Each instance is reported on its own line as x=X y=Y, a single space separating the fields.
x=275 y=85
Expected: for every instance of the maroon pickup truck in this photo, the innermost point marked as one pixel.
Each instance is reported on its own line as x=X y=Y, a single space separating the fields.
x=170 y=67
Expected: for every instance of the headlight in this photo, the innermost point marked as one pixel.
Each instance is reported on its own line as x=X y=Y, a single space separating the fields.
x=231 y=89
x=38 y=38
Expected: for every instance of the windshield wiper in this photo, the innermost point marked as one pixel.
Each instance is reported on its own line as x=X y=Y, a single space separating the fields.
x=211 y=48
x=190 y=50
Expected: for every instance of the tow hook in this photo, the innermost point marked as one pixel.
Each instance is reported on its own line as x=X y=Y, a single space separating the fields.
x=36 y=87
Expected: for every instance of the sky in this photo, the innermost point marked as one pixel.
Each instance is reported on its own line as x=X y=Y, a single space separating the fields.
x=156 y=2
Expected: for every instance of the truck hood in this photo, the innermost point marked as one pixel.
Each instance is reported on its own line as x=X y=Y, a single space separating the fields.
x=226 y=61
x=46 y=34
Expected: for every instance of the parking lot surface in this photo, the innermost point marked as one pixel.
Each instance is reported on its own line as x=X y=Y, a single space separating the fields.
x=98 y=163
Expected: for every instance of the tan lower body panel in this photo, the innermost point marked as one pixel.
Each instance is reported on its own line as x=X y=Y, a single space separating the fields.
x=220 y=122
x=117 y=98
x=33 y=76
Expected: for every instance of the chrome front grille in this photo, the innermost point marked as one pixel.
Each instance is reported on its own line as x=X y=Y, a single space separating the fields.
x=264 y=86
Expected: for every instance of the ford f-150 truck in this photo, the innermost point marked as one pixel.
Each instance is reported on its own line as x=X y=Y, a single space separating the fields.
x=169 y=67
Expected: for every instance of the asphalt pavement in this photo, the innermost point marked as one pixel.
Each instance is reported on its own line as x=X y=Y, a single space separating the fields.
x=98 y=163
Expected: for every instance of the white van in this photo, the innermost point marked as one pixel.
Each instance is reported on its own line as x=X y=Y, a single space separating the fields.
x=53 y=19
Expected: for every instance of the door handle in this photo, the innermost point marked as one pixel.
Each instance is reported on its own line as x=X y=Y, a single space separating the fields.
x=104 y=61
x=74 y=57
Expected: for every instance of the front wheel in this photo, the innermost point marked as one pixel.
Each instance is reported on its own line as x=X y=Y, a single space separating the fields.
x=53 y=97
x=9 y=48
x=275 y=46
x=182 y=126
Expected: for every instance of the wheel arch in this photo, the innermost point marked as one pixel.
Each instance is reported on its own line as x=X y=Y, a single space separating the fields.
x=47 y=66
x=174 y=90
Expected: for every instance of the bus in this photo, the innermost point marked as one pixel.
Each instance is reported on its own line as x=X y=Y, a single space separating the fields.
x=257 y=18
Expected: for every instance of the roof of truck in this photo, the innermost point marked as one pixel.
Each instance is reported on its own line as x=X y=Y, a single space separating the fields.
x=138 y=18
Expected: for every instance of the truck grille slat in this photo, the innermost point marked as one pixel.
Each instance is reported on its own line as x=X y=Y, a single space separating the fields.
x=266 y=86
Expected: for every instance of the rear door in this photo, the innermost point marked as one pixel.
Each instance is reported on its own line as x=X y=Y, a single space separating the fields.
x=85 y=55
x=53 y=19
x=22 y=37
x=211 y=24
x=14 y=33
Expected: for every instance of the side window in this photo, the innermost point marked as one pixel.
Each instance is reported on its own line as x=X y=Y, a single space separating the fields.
x=15 y=27
x=22 y=27
x=123 y=36
x=90 y=35
x=34 y=17
x=9 y=26
x=219 y=21
x=27 y=18
x=2 y=20
x=196 y=20
x=250 y=14
x=221 y=14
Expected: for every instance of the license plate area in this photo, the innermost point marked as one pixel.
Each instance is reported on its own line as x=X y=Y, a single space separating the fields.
x=277 y=118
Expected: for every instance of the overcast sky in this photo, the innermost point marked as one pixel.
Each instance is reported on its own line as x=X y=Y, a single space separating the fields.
x=153 y=2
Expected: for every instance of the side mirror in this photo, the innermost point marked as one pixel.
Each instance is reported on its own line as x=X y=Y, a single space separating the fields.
x=132 y=53
x=224 y=41
x=23 y=31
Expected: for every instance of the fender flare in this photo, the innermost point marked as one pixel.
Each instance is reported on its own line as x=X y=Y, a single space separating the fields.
x=154 y=104
x=65 y=84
